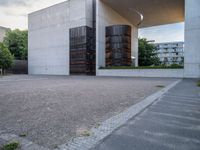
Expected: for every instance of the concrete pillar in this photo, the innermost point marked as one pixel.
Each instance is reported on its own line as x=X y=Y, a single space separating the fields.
x=135 y=44
x=192 y=39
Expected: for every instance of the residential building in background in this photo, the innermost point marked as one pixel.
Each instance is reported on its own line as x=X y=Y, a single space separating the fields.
x=170 y=53
x=3 y=31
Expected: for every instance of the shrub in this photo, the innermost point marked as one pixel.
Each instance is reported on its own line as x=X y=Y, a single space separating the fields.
x=11 y=146
x=6 y=59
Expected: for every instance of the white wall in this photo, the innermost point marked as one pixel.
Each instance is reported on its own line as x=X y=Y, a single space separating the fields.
x=49 y=36
x=3 y=33
x=80 y=13
x=164 y=73
x=106 y=16
x=192 y=38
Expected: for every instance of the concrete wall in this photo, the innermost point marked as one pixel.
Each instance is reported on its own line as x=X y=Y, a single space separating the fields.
x=175 y=73
x=192 y=38
x=106 y=16
x=49 y=35
x=80 y=13
x=48 y=51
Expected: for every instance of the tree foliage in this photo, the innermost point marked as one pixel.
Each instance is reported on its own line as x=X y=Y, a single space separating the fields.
x=147 y=54
x=6 y=58
x=17 y=43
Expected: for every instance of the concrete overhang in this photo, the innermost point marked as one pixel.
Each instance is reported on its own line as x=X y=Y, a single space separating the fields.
x=153 y=12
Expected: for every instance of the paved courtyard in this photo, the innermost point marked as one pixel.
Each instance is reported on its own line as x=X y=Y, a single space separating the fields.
x=172 y=123
x=50 y=110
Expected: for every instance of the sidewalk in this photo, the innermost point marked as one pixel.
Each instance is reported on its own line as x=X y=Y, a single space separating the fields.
x=172 y=123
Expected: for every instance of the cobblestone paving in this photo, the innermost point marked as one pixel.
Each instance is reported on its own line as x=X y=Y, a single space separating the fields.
x=50 y=110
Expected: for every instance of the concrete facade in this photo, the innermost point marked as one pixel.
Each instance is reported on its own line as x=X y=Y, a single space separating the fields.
x=192 y=36
x=106 y=16
x=164 y=73
x=3 y=31
x=49 y=35
x=48 y=41
x=49 y=30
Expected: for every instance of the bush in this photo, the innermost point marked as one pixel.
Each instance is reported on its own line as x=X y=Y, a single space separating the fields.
x=175 y=66
x=11 y=146
x=6 y=59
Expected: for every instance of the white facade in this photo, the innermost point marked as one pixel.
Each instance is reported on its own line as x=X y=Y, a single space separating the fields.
x=164 y=73
x=49 y=35
x=170 y=53
x=192 y=38
x=106 y=16
x=3 y=31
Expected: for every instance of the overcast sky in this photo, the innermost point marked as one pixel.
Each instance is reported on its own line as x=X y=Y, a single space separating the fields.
x=13 y=14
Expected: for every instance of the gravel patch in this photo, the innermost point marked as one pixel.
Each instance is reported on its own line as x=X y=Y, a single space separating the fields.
x=51 y=110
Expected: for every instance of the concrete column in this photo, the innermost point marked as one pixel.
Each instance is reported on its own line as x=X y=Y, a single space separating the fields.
x=134 y=45
x=192 y=39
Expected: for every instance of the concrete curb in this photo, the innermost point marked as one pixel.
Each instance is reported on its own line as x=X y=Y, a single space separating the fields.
x=107 y=127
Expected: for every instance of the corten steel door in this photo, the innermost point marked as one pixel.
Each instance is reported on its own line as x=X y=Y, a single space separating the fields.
x=118 y=45
x=82 y=51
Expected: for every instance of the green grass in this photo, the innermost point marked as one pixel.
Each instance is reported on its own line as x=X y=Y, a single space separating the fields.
x=143 y=67
x=11 y=146
x=198 y=83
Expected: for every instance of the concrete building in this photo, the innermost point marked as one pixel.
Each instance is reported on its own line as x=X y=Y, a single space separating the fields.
x=50 y=46
x=170 y=53
x=3 y=31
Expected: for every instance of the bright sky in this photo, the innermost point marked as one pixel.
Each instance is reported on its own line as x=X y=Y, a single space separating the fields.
x=164 y=33
x=13 y=14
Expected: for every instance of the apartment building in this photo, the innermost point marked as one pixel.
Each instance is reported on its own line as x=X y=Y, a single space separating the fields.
x=170 y=53
x=3 y=31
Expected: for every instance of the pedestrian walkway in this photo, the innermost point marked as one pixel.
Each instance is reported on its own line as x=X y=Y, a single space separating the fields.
x=171 y=123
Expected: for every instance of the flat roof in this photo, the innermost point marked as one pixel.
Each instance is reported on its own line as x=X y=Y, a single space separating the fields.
x=154 y=12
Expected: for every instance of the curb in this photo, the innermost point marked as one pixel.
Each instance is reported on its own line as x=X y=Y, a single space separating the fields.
x=107 y=127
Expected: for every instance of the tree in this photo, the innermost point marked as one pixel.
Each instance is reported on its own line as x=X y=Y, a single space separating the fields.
x=17 y=43
x=147 y=54
x=6 y=58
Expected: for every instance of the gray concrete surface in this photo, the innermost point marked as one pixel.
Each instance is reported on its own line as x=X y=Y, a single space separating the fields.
x=50 y=110
x=172 y=123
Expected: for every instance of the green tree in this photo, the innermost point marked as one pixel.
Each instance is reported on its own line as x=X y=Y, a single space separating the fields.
x=17 y=43
x=147 y=54
x=6 y=58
